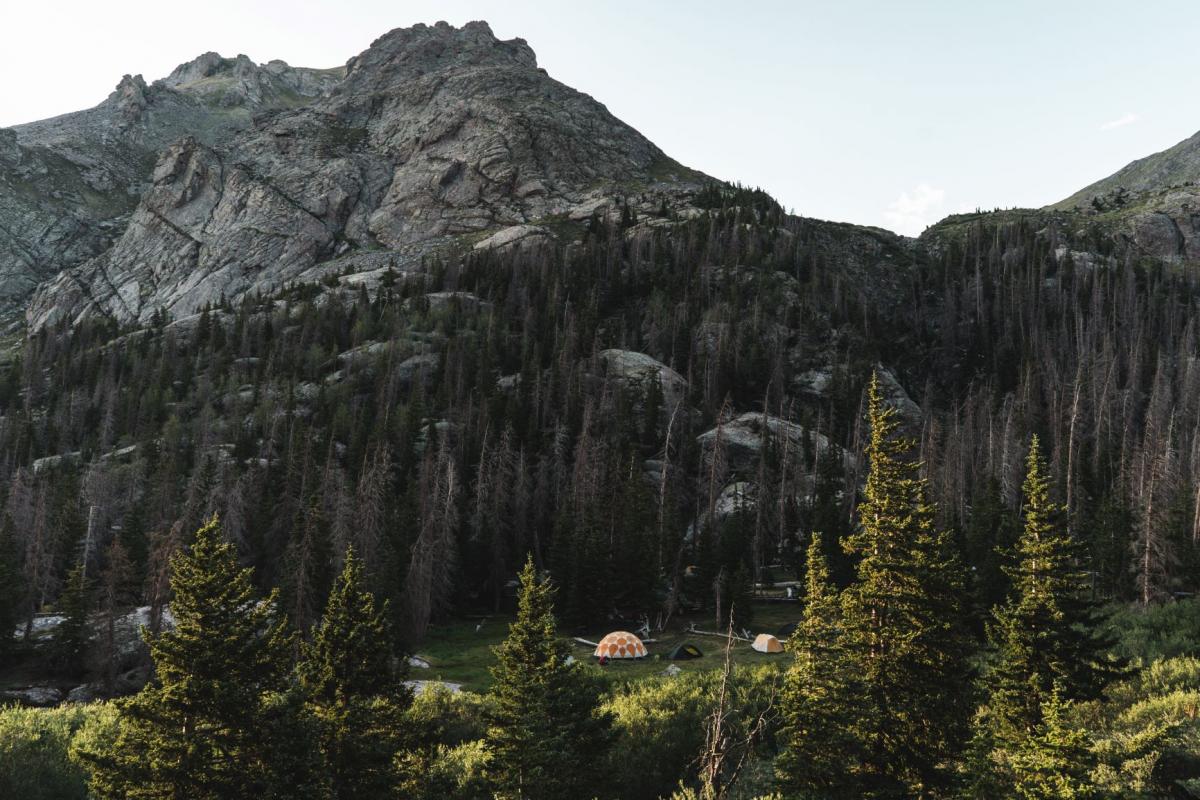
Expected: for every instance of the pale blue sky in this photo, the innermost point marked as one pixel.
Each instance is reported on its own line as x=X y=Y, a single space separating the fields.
x=886 y=113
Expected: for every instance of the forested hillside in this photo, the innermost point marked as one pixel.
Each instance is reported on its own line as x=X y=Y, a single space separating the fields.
x=447 y=425
x=435 y=346
x=660 y=413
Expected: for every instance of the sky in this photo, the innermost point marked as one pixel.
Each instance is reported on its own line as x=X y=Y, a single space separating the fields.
x=891 y=113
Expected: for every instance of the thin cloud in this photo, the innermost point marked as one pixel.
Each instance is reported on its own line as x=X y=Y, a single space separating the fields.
x=912 y=212
x=1120 y=122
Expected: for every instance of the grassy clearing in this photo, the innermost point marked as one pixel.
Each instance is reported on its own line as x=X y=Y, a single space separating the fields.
x=457 y=653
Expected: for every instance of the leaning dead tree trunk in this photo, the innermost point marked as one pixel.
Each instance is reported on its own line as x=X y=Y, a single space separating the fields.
x=727 y=745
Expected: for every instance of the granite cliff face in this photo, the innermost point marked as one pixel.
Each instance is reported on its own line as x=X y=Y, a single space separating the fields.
x=430 y=134
x=69 y=185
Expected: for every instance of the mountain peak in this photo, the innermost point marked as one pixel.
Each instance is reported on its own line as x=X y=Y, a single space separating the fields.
x=431 y=134
x=199 y=68
x=408 y=52
x=130 y=90
x=239 y=81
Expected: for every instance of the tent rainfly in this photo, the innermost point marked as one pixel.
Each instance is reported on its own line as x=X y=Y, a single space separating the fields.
x=620 y=644
x=766 y=643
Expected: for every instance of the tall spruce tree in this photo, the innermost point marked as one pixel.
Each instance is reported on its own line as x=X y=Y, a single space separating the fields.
x=545 y=735
x=218 y=721
x=904 y=624
x=355 y=694
x=11 y=590
x=1048 y=634
x=818 y=694
x=73 y=635
x=1054 y=762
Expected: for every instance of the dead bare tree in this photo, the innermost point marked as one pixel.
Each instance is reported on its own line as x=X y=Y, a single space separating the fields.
x=728 y=741
x=431 y=567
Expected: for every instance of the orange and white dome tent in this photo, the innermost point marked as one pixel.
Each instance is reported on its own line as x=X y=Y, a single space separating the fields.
x=620 y=644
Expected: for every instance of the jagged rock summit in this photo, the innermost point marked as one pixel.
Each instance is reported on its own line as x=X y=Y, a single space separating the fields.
x=432 y=134
x=69 y=184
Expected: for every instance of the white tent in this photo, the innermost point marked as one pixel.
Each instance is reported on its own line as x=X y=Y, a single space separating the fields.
x=766 y=643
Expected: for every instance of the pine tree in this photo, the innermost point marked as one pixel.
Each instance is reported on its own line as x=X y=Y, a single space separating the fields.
x=1046 y=635
x=308 y=563
x=354 y=692
x=12 y=590
x=114 y=596
x=818 y=694
x=1053 y=763
x=218 y=722
x=545 y=735
x=827 y=514
x=74 y=633
x=990 y=534
x=904 y=624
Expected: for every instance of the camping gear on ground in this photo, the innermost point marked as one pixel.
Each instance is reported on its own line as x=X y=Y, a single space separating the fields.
x=685 y=652
x=766 y=643
x=671 y=671
x=620 y=644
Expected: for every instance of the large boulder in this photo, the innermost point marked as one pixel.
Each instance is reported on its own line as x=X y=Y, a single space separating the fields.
x=818 y=384
x=745 y=436
x=37 y=696
x=633 y=369
x=734 y=498
x=897 y=397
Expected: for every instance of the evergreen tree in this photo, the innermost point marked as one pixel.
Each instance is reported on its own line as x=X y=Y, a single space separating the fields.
x=218 y=722
x=827 y=514
x=818 y=694
x=904 y=624
x=114 y=597
x=355 y=694
x=545 y=735
x=74 y=633
x=1047 y=634
x=12 y=591
x=1053 y=763
x=990 y=534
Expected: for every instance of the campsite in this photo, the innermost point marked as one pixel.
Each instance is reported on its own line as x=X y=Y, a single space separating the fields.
x=459 y=654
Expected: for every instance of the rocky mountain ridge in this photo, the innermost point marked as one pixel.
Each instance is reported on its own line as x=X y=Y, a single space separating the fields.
x=228 y=177
x=1177 y=166
x=69 y=184
x=432 y=132
x=1150 y=207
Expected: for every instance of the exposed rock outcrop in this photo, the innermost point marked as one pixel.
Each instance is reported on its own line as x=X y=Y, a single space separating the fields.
x=744 y=437
x=1178 y=165
x=432 y=132
x=633 y=369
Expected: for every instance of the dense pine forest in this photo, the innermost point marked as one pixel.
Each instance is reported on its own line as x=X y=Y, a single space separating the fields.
x=977 y=454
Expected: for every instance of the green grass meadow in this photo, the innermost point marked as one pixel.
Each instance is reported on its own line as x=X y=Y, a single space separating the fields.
x=458 y=654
